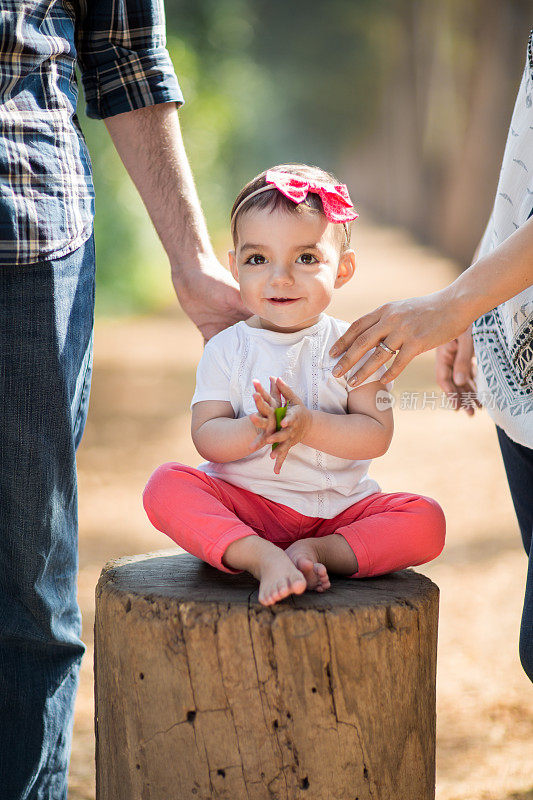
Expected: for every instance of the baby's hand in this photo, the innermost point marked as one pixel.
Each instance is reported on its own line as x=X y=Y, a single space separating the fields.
x=294 y=425
x=265 y=419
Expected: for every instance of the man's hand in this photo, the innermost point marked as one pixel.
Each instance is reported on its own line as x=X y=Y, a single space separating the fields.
x=294 y=426
x=150 y=145
x=210 y=297
x=455 y=372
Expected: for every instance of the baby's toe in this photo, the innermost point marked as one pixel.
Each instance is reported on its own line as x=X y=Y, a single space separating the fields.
x=298 y=584
x=278 y=589
x=322 y=577
x=304 y=563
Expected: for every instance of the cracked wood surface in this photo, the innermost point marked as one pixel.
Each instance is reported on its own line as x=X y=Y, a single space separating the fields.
x=202 y=693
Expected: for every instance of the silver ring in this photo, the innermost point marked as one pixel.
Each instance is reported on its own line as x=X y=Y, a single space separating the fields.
x=387 y=348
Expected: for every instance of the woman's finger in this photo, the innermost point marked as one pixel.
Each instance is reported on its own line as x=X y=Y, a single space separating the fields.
x=373 y=363
x=473 y=390
x=454 y=359
x=365 y=342
x=448 y=387
x=468 y=399
x=404 y=357
x=444 y=358
x=356 y=329
x=463 y=369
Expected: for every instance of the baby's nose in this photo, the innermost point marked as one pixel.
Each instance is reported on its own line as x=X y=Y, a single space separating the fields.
x=281 y=275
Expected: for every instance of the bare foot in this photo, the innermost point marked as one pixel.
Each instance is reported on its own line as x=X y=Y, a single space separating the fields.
x=277 y=574
x=278 y=578
x=305 y=556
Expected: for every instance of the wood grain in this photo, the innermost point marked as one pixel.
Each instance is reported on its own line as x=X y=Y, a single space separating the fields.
x=204 y=694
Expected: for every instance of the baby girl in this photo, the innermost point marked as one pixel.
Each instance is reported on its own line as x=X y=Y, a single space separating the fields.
x=290 y=502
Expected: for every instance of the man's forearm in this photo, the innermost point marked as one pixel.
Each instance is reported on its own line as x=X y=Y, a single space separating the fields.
x=225 y=439
x=150 y=145
x=496 y=277
x=353 y=436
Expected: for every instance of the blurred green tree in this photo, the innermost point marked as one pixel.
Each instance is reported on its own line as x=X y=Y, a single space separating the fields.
x=408 y=101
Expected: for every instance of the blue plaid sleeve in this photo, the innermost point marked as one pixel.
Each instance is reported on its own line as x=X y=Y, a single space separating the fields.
x=123 y=58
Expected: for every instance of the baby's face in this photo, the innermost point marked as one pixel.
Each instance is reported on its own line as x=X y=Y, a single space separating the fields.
x=287 y=266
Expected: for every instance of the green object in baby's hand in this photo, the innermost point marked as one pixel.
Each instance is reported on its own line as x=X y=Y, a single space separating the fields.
x=280 y=413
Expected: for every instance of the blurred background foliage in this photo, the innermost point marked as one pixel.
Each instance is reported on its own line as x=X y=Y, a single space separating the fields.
x=407 y=101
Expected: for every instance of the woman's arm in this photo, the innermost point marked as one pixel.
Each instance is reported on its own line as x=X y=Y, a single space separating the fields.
x=418 y=324
x=217 y=435
x=496 y=277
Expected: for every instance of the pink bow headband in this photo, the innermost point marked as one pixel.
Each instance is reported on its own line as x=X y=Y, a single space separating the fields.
x=335 y=198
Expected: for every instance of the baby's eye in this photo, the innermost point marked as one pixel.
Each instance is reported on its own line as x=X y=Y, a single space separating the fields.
x=307 y=258
x=256 y=259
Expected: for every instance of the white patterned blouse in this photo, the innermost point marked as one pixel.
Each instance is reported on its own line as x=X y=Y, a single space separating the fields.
x=503 y=338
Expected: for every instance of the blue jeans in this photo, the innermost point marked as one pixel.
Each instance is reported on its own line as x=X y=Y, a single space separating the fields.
x=518 y=461
x=46 y=333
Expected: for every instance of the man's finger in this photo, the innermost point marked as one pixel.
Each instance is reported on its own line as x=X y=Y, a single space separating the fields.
x=356 y=328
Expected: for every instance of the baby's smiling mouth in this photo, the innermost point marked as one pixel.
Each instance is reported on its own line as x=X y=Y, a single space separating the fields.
x=281 y=300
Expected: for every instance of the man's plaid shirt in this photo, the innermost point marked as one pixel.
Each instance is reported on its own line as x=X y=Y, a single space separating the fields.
x=46 y=188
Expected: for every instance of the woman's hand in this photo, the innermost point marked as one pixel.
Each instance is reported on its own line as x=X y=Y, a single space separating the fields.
x=409 y=327
x=265 y=420
x=455 y=372
x=294 y=426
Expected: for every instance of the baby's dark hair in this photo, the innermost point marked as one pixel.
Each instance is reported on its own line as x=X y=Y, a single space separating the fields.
x=276 y=200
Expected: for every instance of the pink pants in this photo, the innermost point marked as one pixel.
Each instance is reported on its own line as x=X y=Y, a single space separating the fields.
x=386 y=532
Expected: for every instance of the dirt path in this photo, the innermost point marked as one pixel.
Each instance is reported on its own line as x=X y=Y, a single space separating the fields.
x=143 y=381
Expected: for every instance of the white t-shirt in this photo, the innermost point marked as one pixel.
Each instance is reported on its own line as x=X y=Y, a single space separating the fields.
x=312 y=482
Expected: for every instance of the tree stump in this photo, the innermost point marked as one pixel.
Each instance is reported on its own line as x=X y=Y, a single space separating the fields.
x=202 y=693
